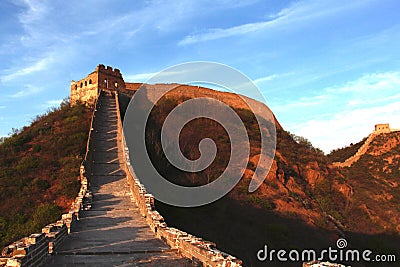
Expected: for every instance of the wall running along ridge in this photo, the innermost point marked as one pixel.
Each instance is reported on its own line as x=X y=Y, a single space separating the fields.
x=189 y=246
x=379 y=129
x=32 y=251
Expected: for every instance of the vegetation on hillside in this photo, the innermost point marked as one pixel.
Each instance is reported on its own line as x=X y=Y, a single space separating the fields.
x=39 y=170
x=251 y=218
x=376 y=178
x=341 y=154
x=303 y=198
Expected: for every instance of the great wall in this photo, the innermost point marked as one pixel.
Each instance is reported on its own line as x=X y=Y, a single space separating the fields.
x=379 y=129
x=113 y=220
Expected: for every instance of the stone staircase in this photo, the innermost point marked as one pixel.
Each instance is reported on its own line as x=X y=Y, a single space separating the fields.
x=113 y=220
x=112 y=232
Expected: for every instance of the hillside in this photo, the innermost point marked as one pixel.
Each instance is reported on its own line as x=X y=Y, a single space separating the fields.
x=375 y=178
x=341 y=154
x=39 y=167
x=303 y=197
x=305 y=202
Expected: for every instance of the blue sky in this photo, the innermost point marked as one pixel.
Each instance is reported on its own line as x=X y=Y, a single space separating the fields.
x=329 y=70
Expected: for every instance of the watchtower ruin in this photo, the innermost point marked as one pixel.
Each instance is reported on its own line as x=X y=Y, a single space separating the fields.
x=382 y=128
x=87 y=89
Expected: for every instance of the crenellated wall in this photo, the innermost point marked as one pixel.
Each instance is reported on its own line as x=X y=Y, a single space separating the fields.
x=33 y=250
x=382 y=128
x=102 y=78
x=109 y=78
x=379 y=129
x=85 y=90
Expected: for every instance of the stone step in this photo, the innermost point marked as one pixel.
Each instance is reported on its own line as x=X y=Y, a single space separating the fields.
x=112 y=232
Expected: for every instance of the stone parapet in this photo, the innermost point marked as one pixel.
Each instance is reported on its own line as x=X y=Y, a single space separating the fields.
x=33 y=250
x=198 y=250
x=382 y=128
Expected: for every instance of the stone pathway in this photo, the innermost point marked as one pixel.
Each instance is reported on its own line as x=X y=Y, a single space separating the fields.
x=112 y=232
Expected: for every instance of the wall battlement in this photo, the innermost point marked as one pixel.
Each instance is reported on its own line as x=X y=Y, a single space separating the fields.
x=380 y=128
x=87 y=89
x=35 y=249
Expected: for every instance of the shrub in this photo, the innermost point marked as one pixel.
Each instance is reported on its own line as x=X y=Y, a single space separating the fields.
x=42 y=184
x=44 y=214
x=28 y=163
x=50 y=149
x=262 y=202
x=36 y=148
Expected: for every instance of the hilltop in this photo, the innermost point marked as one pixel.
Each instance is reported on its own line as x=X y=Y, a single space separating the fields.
x=39 y=170
x=305 y=197
x=375 y=178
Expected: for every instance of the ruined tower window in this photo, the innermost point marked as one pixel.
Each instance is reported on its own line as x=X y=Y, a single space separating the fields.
x=116 y=85
x=76 y=86
x=90 y=81
x=85 y=83
x=81 y=84
x=106 y=82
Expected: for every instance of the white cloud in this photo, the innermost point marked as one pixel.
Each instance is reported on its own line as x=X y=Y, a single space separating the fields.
x=165 y=76
x=159 y=16
x=370 y=102
x=348 y=126
x=271 y=77
x=289 y=17
x=28 y=91
x=35 y=11
x=52 y=103
x=217 y=33
x=39 y=65
x=265 y=79
x=357 y=106
x=140 y=77
x=301 y=103
x=366 y=91
x=371 y=82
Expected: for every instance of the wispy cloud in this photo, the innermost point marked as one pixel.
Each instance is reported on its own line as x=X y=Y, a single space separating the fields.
x=51 y=103
x=371 y=82
x=27 y=91
x=217 y=33
x=367 y=90
x=35 y=10
x=290 y=17
x=177 y=74
x=303 y=102
x=140 y=77
x=347 y=126
x=271 y=77
x=39 y=65
x=265 y=79
x=359 y=104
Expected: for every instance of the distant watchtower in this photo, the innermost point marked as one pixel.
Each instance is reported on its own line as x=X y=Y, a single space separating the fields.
x=102 y=78
x=382 y=128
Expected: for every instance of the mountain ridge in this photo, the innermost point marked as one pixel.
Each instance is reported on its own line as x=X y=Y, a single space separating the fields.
x=303 y=184
x=303 y=195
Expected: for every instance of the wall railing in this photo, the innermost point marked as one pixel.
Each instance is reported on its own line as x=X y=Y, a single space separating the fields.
x=32 y=251
x=189 y=246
